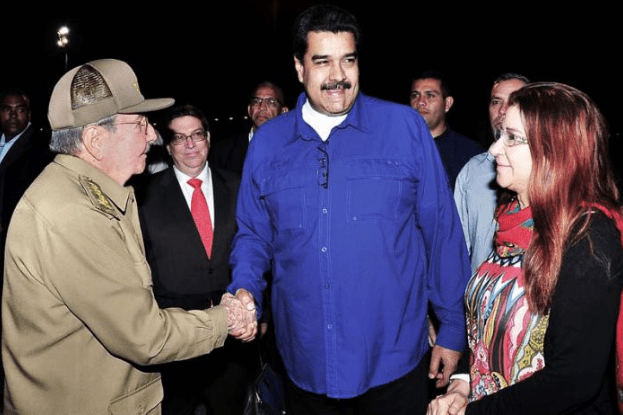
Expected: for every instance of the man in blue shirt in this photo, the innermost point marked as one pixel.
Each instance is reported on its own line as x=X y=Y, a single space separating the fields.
x=475 y=192
x=345 y=199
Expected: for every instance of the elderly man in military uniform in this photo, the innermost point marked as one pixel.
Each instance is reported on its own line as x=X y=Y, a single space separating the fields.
x=79 y=316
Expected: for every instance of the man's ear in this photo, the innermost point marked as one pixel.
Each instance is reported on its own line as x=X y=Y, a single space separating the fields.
x=93 y=140
x=300 y=69
x=449 y=101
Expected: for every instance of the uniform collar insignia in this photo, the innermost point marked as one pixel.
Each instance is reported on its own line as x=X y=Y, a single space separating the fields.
x=100 y=201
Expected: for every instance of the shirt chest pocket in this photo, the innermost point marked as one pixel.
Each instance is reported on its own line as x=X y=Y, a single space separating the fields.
x=134 y=245
x=283 y=191
x=375 y=189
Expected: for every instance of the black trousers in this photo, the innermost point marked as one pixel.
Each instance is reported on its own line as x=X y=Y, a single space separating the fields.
x=407 y=395
x=218 y=380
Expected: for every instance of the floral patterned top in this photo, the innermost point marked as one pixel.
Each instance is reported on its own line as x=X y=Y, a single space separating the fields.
x=505 y=339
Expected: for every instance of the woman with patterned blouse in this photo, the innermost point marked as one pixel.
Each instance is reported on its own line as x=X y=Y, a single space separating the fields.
x=542 y=309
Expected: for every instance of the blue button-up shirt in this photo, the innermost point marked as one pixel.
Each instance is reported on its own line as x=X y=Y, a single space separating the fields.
x=360 y=232
x=475 y=197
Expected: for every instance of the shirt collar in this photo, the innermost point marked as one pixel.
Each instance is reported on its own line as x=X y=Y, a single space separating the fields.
x=357 y=118
x=184 y=178
x=3 y=137
x=443 y=135
x=118 y=194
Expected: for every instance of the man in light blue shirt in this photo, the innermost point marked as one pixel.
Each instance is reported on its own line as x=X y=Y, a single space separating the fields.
x=345 y=199
x=475 y=191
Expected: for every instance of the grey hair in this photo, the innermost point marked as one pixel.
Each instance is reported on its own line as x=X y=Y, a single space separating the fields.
x=69 y=140
x=510 y=75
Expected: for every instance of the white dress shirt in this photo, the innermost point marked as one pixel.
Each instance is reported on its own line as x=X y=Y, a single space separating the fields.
x=206 y=187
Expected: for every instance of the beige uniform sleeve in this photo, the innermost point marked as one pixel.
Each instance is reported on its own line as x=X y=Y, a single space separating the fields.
x=94 y=267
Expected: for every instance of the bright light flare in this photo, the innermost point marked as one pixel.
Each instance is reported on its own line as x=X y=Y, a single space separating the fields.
x=63 y=39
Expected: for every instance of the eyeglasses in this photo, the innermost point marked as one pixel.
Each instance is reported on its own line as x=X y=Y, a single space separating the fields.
x=197 y=136
x=142 y=124
x=509 y=139
x=257 y=102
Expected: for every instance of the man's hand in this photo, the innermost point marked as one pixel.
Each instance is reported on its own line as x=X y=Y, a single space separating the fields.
x=432 y=332
x=241 y=315
x=443 y=363
x=454 y=402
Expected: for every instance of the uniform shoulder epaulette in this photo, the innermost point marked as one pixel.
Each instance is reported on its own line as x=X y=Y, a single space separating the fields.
x=97 y=197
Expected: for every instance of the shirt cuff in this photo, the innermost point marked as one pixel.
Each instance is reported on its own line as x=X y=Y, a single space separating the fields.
x=460 y=376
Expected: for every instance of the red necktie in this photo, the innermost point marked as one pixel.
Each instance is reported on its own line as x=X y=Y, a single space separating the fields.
x=201 y=215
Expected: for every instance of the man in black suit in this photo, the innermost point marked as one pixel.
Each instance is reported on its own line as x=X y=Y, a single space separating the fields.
x=23 y=155
x=431 y=96
x=188 y=256
x=266 y=102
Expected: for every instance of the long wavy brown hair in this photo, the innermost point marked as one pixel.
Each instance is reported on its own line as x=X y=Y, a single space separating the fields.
x=571 y=171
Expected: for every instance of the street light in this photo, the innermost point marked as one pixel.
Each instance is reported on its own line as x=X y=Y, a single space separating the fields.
x=63 y=40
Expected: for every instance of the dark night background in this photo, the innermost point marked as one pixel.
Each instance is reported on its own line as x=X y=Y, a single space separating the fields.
x=211 y=53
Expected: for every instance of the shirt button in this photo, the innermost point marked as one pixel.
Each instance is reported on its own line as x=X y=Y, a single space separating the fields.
x=329 y=326
x=325 y=210
x=323 y=249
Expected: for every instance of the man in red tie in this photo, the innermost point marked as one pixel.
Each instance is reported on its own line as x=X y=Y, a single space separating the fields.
x=187 y=219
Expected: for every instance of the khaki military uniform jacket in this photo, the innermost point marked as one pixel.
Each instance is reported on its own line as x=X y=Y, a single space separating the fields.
x=78 y=314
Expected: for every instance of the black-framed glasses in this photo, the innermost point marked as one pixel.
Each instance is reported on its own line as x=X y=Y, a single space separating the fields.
x=142 y=124
x=271 y=102
x=509 y=139
x=197 y=136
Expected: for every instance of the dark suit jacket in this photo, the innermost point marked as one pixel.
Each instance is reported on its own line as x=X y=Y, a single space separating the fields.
x=229 y=154
x=182 y=273
x=185 y=277
x=20 y=166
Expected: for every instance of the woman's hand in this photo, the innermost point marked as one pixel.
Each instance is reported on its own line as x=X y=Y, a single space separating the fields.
x=453 y=402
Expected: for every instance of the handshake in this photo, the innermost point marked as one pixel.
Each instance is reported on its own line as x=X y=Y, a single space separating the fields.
x=241 y=315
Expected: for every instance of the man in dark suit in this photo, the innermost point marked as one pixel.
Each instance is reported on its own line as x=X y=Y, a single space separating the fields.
x=431 y=96
x=266 y=102
x=187 y=250
x=23 y=155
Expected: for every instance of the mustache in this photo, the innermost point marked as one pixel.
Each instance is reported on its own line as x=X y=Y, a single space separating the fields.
x=336 y=85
